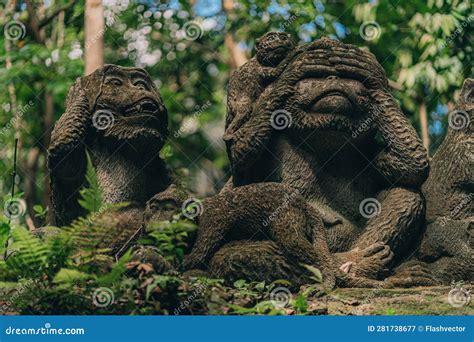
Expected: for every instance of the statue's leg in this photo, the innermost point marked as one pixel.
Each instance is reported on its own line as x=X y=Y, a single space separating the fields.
x=265 y=211
x=412 y=273
x=398 y=224
x=256 y=261
x=215 y=223
x=448 y=245
x=393 y=232
x=301 y=236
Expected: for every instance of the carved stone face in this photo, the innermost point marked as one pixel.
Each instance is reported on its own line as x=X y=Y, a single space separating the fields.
x=129 y=95
x=330 y=103
x=164 y=205
x=162 y=209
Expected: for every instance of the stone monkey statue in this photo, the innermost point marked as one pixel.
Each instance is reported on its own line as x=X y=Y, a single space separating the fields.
x=280 y=216
x=272 y=50
x=277 y=214
x=447 y=249
x=329 y=90
x=118 y=115
x=451 y=178
x=161 y=207
x=120 y=230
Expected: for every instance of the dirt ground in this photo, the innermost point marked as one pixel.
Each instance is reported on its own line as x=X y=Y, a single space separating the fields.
x=412 y=301
x=357 y=301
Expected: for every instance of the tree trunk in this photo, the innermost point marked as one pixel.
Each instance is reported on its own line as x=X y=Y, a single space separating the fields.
x=48 y=127
x=94 y=36
x=30 y=172
x=425 y=135
x=237 y=55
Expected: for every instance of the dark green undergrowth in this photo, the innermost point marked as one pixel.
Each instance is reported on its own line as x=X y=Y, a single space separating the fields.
x=59 y=273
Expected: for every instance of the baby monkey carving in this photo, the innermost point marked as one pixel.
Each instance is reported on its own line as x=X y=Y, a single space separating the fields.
x=272 y=50
x=279 y=214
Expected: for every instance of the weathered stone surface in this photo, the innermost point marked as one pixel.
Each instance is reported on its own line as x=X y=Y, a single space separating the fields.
x=327 y=171
x=447 y=248
x=325 y=125
x=262 y=211
x=116 y=114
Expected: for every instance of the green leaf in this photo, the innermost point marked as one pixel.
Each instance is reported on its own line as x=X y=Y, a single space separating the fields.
x=300 y=303
x=260 y=286
x=317 y=276
x=4 y=236
x=68 y=276
x=240 y=283
x=7 y=285
x=166 y=152
x=117 y=270
x=92 y=195
x=29 y=254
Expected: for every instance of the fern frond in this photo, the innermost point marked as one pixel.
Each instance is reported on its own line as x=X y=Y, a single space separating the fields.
x=117 y=270
x=4 y=236
x=91 y=196
x=67 y=276
x=30 y=255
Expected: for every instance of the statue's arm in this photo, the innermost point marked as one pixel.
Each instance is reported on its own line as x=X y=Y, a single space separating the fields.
x=66 y=156
x=403 y=160
x=247 y=143
x=69 y=134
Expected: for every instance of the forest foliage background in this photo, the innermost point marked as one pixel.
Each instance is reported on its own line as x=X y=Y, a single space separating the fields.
x=190 y=48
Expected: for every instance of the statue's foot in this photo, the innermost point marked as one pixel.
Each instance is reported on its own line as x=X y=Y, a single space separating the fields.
x=147 y=259
x=348 y=280
x=329 y=281
x=365 y=263
x=412 y=274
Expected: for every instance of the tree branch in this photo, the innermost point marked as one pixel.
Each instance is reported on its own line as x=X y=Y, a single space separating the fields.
x=45 y=21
